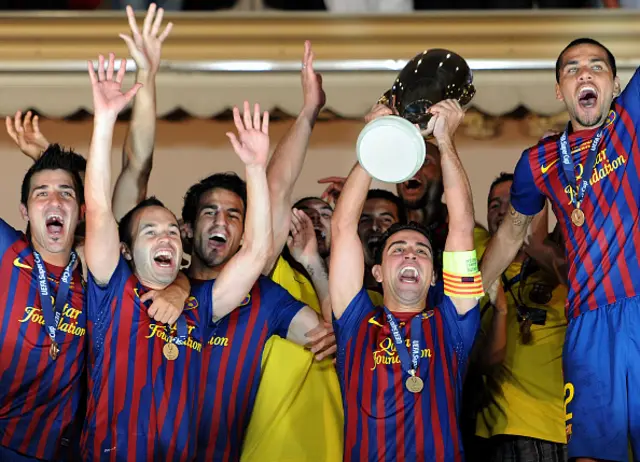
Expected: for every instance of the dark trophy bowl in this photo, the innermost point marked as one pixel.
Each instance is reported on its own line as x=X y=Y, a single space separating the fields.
x=430 y=77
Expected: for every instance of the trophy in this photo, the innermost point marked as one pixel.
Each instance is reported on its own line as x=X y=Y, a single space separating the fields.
x=391 y=148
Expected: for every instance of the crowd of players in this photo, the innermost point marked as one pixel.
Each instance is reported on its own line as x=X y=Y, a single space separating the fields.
x=352 y=326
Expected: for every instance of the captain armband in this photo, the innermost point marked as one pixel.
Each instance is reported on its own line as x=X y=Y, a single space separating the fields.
x=461 y=275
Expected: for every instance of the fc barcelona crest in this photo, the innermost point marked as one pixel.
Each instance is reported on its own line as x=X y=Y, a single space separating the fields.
x=191 y=303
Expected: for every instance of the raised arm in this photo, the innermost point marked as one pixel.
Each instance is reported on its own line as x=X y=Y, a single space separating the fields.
x=102 y=245
x=240 y=273
x=145 y=48
x=447 y=116
x=288 y=158
x=346 y=266
x=504 y=246
x=303 y=246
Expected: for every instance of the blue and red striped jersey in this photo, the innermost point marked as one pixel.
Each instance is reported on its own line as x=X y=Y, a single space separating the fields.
x=39 y=397
x=232 y=365
x=141 y=405
x=383 y=420
x=603 y=253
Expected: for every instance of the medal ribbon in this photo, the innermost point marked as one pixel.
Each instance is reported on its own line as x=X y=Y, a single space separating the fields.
x=181 y=326
x=51 y=313
x=409 y=363
x=569 y=167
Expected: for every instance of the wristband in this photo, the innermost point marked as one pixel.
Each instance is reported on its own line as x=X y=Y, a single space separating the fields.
x=461 y=276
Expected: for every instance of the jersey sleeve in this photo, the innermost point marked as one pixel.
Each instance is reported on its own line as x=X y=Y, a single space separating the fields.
x=280 y=305
x=526 y=198
x=353 y=315
x=8 y=235
x=462 y=328
x=100 y=299
x=630 y=97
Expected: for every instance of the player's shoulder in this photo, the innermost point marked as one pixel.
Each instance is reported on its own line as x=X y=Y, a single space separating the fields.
x=9 y=235
x=121 y=279
x=546 y=146
x=270 y=290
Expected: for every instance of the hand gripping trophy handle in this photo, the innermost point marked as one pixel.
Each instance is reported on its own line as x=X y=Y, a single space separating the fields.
x=391 y=148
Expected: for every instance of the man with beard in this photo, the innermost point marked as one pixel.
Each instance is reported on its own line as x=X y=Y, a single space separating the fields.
x=522 y=354
x=43 y=317
x=589 y=173
x=320 y=213
x=403 y=403
x=214 y=216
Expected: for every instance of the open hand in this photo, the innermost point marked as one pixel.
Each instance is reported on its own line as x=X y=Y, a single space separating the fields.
x=252 y=142
x=26 y=134
x=302 y=243
x=145 y=48
x=314 y=96
x=332 y=192
x=108 y=99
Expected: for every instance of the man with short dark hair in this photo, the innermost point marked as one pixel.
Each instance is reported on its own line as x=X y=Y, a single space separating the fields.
x=402 y=365
x=43 y=316
x=214 y=217
x=589 y=173
x=142 y=374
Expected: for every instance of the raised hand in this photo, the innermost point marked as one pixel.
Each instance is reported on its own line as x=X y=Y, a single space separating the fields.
x=302 y=243
x=252 y=142
x=447 y=117
x=332 y=193
x=145 y=48
x=26 y=134
x=314 y=96
x=108 y=99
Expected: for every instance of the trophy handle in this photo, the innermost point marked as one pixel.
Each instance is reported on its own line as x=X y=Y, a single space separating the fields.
x=467 y=95
x=386 y=98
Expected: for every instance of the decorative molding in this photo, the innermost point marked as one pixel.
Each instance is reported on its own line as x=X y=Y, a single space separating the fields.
x=279 y=36
x=537 y=125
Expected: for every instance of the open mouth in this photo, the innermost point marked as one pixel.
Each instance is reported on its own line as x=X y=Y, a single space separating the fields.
x=321 y=235
x=163 y=258
x=373 y=242
x=409 y=275
x=587 y=97
x=55 y=224
x=218 y=239
x=412 y=184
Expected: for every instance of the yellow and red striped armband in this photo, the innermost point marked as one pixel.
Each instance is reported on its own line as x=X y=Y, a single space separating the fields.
x=461 y=276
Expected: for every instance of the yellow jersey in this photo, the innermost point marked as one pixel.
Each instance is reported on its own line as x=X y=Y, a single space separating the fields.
x=298 y=414
x=532 y=400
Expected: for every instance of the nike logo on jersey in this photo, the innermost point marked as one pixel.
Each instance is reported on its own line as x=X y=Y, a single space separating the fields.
x=545 y=168
x=19 y=264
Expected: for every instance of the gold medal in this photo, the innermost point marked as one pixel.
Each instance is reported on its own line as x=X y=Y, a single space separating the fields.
x=54 y=350
x=577 y=217
x=170 y=351
x=414 y=384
